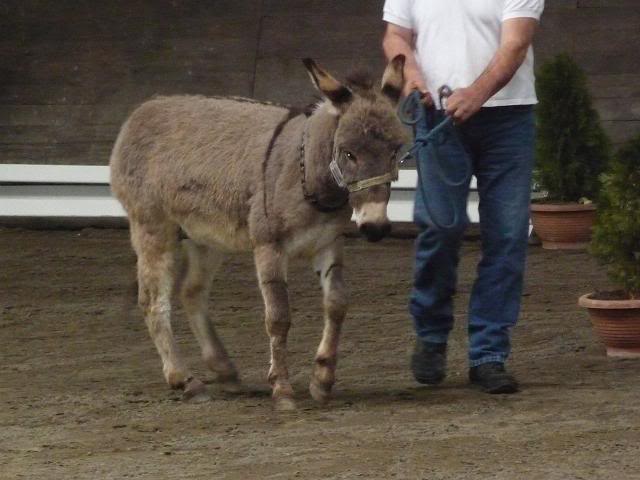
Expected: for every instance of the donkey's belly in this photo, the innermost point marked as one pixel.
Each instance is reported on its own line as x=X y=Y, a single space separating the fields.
x=309 y=241
x=217 y=230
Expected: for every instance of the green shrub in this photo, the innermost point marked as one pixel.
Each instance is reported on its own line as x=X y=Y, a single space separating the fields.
x=572 y=148
x=616 y=235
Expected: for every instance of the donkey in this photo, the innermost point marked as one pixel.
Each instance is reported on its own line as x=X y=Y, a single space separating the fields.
x=234 y=174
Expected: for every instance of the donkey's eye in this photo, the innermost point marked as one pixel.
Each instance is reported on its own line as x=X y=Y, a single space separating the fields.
x=350 y=156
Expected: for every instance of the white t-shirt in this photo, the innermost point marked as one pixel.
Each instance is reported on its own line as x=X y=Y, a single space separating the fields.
x=456 y=40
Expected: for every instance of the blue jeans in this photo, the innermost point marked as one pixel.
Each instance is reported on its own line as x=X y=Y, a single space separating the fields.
x=499 y=142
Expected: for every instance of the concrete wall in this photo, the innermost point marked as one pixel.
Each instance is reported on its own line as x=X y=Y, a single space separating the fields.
x=70 y=71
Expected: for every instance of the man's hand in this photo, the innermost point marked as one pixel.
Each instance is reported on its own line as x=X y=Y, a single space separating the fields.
x=464 y=103
x=517 y=34
x=416 y=83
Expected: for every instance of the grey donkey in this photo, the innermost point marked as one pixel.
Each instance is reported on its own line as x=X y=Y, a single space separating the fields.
x=234 y=174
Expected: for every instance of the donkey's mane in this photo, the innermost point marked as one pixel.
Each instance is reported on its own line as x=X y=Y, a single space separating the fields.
x=250 y=100
x=294 y=110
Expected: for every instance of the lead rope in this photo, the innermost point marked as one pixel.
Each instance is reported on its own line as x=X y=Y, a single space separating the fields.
x=425 y=151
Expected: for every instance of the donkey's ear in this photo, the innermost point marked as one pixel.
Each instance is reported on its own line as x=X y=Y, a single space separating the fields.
x=331 y=88
x=393 y=78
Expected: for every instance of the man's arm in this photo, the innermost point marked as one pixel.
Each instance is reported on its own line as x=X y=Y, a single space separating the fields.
x=517 y=35
x=400 y=40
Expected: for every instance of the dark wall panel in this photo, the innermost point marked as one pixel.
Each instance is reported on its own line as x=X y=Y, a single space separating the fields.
x=71 y=71
x=338 y=43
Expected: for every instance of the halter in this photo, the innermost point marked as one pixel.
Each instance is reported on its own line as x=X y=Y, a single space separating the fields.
x=312 y=197
x=357 y=185
x=338 y=176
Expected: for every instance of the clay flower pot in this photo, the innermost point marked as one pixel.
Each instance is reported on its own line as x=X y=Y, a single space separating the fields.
x=563 y=226
x=617 y=323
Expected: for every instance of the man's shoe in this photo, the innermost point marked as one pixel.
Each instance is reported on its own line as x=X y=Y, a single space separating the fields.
x=428 y=362
x=493 y=378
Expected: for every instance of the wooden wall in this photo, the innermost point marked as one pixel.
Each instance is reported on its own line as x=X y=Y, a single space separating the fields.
x=70 y=71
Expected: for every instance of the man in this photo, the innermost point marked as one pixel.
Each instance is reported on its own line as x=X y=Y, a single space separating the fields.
x=482 y=50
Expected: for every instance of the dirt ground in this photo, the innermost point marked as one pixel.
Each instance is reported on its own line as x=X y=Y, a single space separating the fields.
x=82 y=395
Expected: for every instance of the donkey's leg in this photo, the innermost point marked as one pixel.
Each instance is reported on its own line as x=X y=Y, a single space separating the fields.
x=328 y=266
x=271 y=265
x=202 y=263
x=155 y=247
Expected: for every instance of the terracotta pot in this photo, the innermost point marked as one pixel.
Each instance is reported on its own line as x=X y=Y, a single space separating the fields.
x=617 y=323
x=563 y=226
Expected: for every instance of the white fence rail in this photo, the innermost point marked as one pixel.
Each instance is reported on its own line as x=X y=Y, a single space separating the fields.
x=83 y=191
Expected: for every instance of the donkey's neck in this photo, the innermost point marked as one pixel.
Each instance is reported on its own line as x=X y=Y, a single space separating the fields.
x=319 y=132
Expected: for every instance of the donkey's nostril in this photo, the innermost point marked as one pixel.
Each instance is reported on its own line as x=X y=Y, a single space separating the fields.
x=375 y=232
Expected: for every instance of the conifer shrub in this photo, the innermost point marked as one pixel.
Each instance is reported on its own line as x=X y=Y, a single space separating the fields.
x=616 y=234
x=572 y=149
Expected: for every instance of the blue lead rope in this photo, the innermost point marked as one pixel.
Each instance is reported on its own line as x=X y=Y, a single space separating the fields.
x=425 y=150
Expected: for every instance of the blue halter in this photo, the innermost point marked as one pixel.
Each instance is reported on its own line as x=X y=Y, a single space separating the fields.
x=431 y=167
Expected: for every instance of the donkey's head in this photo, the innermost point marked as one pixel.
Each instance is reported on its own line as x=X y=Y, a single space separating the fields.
x=367 y=140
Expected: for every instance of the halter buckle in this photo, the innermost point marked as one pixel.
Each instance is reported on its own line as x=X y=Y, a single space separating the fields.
x=337 y=173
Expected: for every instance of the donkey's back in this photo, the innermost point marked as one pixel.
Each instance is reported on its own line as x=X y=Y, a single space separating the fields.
x=189 y=156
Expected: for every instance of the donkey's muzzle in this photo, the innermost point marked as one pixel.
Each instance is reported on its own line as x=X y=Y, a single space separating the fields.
x=375 y=232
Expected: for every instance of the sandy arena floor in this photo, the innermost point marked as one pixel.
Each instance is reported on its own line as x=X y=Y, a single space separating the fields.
x=82 y=395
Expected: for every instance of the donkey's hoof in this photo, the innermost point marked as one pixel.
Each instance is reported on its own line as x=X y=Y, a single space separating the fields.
x=195 y=392
x=231 y=387
x=284 y=404
x=234 y=387
x=230 y=376
x=224 y=368
x=320 y=393
x=176 y=379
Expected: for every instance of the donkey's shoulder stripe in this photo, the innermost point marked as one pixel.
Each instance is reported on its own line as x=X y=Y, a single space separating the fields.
x=292 y=112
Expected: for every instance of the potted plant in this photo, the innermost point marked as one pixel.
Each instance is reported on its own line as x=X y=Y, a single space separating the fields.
x=616 y=243
x=571 y=152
